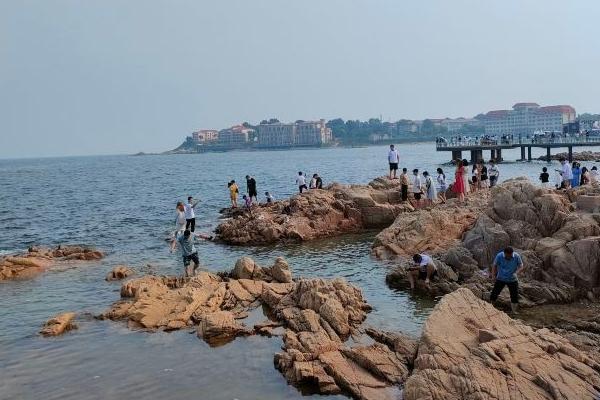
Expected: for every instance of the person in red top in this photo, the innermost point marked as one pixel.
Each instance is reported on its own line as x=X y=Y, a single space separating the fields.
x=459 y=183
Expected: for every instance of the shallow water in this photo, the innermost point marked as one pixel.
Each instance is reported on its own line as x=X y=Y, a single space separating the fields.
x=124 y=205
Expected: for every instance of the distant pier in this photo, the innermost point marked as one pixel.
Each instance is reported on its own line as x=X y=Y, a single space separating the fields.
x=495 y=147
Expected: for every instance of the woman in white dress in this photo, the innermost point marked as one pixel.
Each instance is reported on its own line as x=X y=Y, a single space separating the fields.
x=466 y=176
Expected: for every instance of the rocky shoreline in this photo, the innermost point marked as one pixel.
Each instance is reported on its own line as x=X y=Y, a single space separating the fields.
x=468 y=348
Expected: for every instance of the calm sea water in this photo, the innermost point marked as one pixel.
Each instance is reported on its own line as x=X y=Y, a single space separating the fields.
x=124 y=205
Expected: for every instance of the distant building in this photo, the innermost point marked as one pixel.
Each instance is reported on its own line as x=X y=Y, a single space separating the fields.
x=300 y=133
x=205 y=135
x=454 y=125
x=527 y=118
x=235 y=137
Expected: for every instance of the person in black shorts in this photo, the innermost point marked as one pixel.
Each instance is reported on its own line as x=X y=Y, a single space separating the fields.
x=393 y=160
x=188 y=250
x=251 y=187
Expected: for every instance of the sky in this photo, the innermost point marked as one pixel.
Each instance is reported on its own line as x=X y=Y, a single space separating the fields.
x=82 y=77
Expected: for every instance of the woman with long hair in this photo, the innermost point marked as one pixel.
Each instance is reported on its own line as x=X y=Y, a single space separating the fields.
x=459 y=182
x=442 y=185
x=465 y=170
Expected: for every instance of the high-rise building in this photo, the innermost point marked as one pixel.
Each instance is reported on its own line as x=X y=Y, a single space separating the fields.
x=527 y=118
x=300 y=133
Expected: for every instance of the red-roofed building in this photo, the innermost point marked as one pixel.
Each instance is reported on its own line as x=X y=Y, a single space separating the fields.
x=527 y=118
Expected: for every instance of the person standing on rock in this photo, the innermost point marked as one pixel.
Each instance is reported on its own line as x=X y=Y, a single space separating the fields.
x=417 y=187
x=190 y=215
x=180 y=221
x=393 y=160
x=566 y=173
x=188 y=250
x=545 y=177
x=301 y=182
x=430 y=191
x=424 y=269
x=442 y=185
x=576 y=171
x=459 y=183
x=404 y=182
x=251 y=187
x=506 y=267
x=465 y=176
x=233 y=193
x=493 y=173
x=594 y=176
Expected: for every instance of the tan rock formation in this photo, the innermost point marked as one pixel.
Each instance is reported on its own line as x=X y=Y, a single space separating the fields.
x=315 y=214
x=432 y=230
x=560 y=246
x=59 y=324
x=119 y=272
x=37 y=259
x=470 y=350
x=315 y=317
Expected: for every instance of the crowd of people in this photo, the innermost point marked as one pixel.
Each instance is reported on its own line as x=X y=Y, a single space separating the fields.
x=250 y=198
x=571 y=175
x=427 y=189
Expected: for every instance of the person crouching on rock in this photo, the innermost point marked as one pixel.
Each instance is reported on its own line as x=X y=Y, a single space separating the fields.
x=188 y=250
x=505 y=268
x=424 y=269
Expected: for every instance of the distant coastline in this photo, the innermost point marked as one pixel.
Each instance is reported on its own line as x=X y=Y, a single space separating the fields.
x=180 y=150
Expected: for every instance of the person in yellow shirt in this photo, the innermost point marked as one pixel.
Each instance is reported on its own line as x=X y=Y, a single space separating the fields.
x=233 y=193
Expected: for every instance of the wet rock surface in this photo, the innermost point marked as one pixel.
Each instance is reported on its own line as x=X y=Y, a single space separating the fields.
x=470 y=350
x=37 y=259
x=328 y=212
x=315 y=317
x=59 y=324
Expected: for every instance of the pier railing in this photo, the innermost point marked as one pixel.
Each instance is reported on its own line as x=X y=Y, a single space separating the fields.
x=522 y=141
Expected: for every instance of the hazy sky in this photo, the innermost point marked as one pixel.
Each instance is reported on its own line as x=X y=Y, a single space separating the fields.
x=108 y=77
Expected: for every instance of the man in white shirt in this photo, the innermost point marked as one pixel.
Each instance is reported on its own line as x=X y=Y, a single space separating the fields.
x=424 y=269
x=301 y=182
x=190 y=215
x=566 y=172
x=393 y=159
x=417 y=187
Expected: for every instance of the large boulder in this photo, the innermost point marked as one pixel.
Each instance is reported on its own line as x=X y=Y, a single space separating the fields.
x=490 y=355
x=431 y=231
x=328 y=212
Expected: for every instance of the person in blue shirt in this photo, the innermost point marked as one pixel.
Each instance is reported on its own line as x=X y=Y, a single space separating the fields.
x=505 y=268
x=576 y=174
x=188 y=250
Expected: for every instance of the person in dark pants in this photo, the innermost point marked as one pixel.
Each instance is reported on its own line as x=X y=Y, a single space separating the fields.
x=251 y=187
x=404 y=184
x=505 y=268
x=190 y=215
